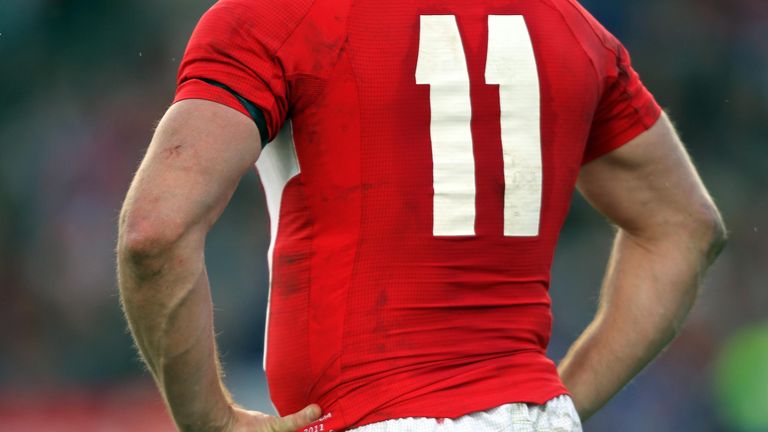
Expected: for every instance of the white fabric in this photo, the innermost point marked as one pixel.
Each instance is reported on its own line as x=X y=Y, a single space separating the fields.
x=277 y=165
x=512 y=65
x=557 y=415
x=443 y=66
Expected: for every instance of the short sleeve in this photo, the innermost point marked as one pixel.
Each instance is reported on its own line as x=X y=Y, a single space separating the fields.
x=228 y=48
x=626 y=109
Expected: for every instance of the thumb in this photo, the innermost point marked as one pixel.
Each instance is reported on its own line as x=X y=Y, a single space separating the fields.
x=298 y=420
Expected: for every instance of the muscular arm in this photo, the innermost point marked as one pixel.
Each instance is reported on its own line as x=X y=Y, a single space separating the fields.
x=193 y=165
x=669 y=232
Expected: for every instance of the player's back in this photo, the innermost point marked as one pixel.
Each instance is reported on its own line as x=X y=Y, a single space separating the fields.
x=418 y=187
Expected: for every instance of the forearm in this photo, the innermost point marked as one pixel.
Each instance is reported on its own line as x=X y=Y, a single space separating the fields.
x=167 y=302
x=649 y=288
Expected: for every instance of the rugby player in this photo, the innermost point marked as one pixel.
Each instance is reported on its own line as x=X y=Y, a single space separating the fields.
x=418 y=159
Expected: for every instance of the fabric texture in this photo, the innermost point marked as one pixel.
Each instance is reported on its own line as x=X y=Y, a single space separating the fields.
x=557 y=415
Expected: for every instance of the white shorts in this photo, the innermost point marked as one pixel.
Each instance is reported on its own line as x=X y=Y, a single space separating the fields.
x=557 y=415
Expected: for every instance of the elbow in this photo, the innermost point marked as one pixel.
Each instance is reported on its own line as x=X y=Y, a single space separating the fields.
x=711 y=229
x=719 y=238
x=145 y=242
x=697 y=228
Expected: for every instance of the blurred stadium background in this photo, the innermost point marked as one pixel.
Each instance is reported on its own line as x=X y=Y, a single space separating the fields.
x=82 y=84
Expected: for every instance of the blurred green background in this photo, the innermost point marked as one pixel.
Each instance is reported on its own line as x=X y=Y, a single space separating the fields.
x=82 y=84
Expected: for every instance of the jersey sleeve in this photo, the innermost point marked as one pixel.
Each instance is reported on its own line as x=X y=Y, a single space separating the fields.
x=625 y=110
x=231 y=60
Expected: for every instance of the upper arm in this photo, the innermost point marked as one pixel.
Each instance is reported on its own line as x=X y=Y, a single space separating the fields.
x=206 y=141
x=636 y=171
x=649 y=187
x=199 y=152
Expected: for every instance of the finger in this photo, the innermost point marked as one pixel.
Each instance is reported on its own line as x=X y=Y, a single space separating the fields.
x=298 y=420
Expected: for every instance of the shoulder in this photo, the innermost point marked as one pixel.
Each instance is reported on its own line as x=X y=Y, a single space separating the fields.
x=268 y=22
x=583 y=21
x=602 y=46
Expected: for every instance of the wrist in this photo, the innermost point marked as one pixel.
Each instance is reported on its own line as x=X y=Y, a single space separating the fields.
x=222 y=420
x=202 y=408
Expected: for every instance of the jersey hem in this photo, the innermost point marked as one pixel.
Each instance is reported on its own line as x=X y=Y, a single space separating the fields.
x=447 y=392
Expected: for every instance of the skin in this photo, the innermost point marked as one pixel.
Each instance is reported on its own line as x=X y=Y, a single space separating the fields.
x=669 y=231
x=197 y=156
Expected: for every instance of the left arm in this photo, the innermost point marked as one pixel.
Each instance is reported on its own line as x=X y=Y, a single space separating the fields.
x=193 y=165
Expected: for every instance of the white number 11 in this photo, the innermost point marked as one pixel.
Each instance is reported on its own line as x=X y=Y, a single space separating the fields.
x=512 y=65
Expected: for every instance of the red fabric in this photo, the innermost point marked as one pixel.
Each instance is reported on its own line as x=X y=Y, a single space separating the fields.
x=626 y=108
x=235 y=44
x=372 y=316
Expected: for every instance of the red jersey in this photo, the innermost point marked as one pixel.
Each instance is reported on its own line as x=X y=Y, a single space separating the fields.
x=426 y=157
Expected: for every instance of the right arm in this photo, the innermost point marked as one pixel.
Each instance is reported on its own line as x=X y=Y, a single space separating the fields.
x=669 y=232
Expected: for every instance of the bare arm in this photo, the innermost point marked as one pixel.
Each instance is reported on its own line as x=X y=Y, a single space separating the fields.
x=669 y=233
x=198 y=155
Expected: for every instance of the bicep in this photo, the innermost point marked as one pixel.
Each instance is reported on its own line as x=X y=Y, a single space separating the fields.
x=197 y=156
x=648 y=185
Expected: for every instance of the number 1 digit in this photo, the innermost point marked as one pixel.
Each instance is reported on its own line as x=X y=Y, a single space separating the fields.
x=443 y=66
x=512 y=65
